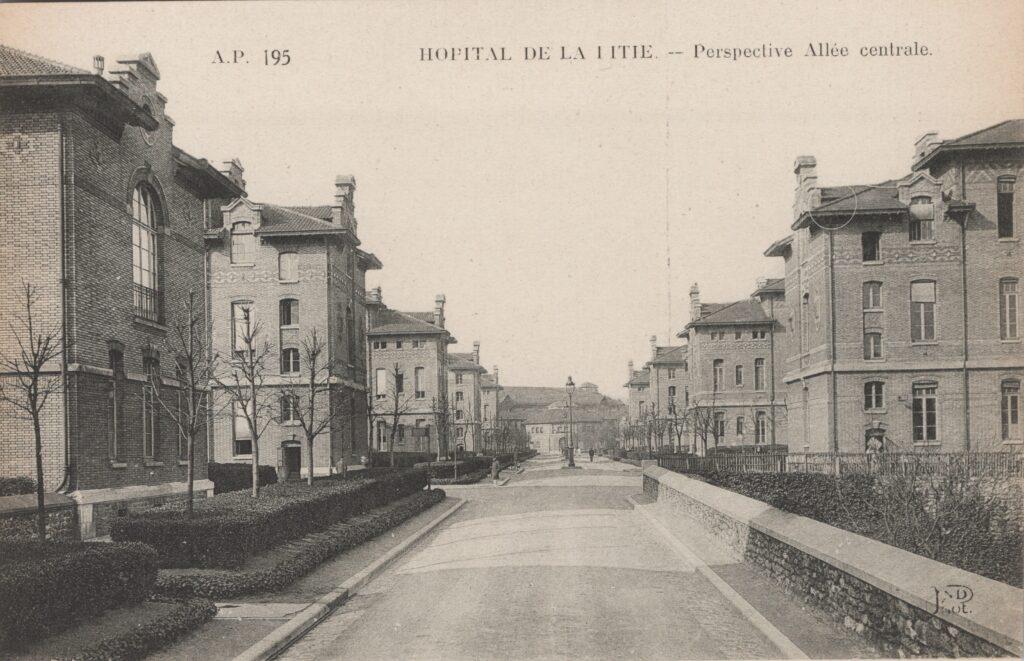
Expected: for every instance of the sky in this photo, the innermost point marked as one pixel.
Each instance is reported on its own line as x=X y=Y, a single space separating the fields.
x=545 y=198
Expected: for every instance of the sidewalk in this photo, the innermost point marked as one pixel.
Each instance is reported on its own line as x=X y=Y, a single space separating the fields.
x=812 y=631
x=244 y=621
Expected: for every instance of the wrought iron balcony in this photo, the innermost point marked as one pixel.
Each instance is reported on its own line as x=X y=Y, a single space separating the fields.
x=149 y=304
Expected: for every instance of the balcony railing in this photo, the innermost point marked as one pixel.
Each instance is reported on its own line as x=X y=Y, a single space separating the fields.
x=149 y=304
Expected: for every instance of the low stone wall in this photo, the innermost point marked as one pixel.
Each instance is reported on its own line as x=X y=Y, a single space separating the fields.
x=905 y=604
x=18 y=516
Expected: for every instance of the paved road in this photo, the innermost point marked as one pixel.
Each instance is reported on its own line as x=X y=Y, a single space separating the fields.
x=556 y=564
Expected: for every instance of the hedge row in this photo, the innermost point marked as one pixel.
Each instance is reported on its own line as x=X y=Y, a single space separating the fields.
x=16 y=486
x=340 y=537
x=464 y=478
x=236 y=477
x=139 y=641
x=402 y=459
x=226 y=529
x=447 y=469
x=48 y=587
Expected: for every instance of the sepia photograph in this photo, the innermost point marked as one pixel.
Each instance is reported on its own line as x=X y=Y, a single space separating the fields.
x=469 y=329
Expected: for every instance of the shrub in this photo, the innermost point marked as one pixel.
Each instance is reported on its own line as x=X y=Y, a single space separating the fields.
x=382 y=459
x=235 y=477
x=446 y=469
x=227 y=529
x=49 y=587
x=16 y=486
x=471 y=477
x=303 y=559
x=749 y=449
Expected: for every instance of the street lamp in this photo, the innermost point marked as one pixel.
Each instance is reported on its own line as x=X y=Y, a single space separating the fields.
x=570 y=388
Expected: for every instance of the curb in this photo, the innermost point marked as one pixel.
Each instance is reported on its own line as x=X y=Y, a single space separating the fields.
x=280 y=638
x=760 y=622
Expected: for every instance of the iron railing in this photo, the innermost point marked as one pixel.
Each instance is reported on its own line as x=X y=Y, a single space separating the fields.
x=148 y=304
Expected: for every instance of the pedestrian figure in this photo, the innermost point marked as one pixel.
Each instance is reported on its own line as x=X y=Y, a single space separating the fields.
x=591 y=455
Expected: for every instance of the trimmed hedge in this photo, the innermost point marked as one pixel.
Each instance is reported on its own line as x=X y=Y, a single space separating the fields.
x=446 y=469
x=339 y=537
x=471 y=477
x=16 y=486
x=49 y=587
x=382 y=459
x=227 y=529
x=236 y=477
x=137 y=642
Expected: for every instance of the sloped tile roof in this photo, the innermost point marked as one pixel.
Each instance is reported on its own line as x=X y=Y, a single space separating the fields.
x=1009 y=133
x=322 y=211
x=774 y=285
x=561 y=416
x=393 y=322
x=746 y=311
x=463 y=361
x=670 y=355
x=847 y=201
x=14 y=62
x=640 y=378
x=775 y=250
x=286 y=220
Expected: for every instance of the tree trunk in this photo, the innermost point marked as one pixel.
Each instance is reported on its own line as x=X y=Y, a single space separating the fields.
x=40 y=499
x=255 y=462
x=309 y=445
x=191 y=473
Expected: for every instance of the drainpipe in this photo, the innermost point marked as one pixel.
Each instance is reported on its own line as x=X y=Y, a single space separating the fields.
x=66 y=481
x=962 y=221
x=771 y=359
x=832 y=339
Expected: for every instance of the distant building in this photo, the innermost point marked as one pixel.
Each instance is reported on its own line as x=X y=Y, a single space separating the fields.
x=905 y=301
x=103 y=215
x=490 y=397
x=540 y=409
x=294 y=270
x=465 y=397
x=669 y=392
x=409 y=363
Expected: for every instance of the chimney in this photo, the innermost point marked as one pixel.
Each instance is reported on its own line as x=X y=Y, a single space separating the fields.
x=374 y=296
x=497 y=375
x=233 y=170
x=439 y=310
x=925 y=145
x=98 y=63
x=807 y=196
x=476 y=353
x=629 y=376
x=654 y=347
x=694 y=302
x=343 y=211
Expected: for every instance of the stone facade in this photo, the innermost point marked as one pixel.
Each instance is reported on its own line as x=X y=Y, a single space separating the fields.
x=935 y=339
x=73 y=163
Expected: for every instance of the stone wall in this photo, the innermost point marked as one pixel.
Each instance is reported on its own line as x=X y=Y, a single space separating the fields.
x=905 y=604
x=18 y=517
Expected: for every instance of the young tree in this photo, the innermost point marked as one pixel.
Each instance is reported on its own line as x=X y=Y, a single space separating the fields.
x=703 y=420
x=188 y=406
x=309 y=402
x=444 y=422
x=242 y=378
x=39 y=345
x=398 y=404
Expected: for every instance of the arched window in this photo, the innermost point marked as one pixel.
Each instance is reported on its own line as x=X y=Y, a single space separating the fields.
x=145 y=254
x=243 y=243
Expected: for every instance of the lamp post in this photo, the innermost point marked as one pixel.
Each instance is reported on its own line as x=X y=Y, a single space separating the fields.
x=570 y=388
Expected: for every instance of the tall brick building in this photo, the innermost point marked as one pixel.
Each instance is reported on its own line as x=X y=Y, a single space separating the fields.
x=465 y=374
x=104 y=216
x=416 y=343
x=294 y=270
x=905 y=301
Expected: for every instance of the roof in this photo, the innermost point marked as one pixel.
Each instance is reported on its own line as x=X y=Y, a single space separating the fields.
x=393 y=322
x=640 y=378
x=847 y=201
x=288 y=220
x=560 y=416
x=744 y=312
x=214 y=182
x=487 y=381
x=670 y=355
x=778 y=248
x=1006 y=134
x=323 y=211
x=14 y=62
x=464 y=361
x=772 y=286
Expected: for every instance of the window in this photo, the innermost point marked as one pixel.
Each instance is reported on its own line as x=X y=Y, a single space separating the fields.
x=924 y=414
x=150 y=409
x=460 y=432
x=759 y=374
x=738 y=334
x=716 y=374
x=487 y=411
x=874 y=395
x=289 y=408
x=922 y=311
x=242 y=439
x=1008 y=309
x=116 y=356
x=872 y=296
x=398 y=344
x=458 y=396
x=290 y=361
x=458 y=414
x=869 y=246
x=243 y=244
x=739 y=425
x=672 y=391
x=671 y=373
x=758 y=334
x=1004 y=206
x=458 y=378
x=1010 y=411
x=289 y=312
x=760 y=427
x=145 y=263
x=872 y=345
x=922 y=215
x=739 y=375
x=400 y=383
x=243 y=315
x=381 y=381
x=401 y=433
x=418 y=383
x=719 y=425
x=417 y=344
x=288 y=267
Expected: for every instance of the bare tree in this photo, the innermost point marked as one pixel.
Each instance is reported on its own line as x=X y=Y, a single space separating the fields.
x=242 y=377
x=678 y=424
x=188 y=405
x=444 y=422
x=398 y=404
x=703 y=420
x=304 y=402
x=39 y=345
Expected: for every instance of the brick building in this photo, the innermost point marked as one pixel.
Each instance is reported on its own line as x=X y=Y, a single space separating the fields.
x=409 y=367
x=541 y=410
x=104 y=216
x=490 y=396
x=905 y=301
x=465 y=392
x=294 y=270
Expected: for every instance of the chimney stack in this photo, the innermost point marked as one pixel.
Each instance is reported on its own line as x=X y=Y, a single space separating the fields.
x=343 y=211
x=629 y=375
x=375 y=296
x=234 y=171
x=695 y=302
x=925 y=145
x=497 y=376
x=439 y=301
x=98 y=63
x=807 y=196
x=476 y=353
x=654 y=347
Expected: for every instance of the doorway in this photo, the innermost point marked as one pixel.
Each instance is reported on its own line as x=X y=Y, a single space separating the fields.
x=292 y=462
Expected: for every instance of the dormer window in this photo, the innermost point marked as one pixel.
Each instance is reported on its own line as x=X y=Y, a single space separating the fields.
x=922 y=217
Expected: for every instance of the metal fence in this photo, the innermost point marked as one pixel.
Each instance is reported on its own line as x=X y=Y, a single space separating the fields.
x=972 y=464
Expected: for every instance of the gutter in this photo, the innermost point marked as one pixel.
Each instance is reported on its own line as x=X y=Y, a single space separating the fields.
x=963 y=288
x=65 y=483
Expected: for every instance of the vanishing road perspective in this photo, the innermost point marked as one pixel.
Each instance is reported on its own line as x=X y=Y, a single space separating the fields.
x=561 y=563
